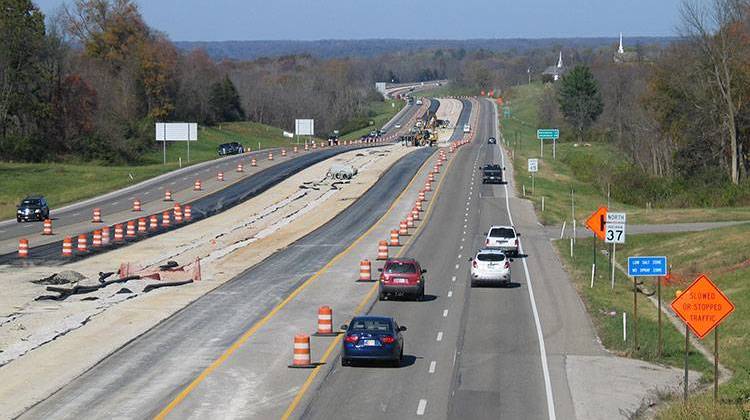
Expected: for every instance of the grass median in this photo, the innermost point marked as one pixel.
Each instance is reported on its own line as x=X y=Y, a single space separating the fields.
x=722 y=254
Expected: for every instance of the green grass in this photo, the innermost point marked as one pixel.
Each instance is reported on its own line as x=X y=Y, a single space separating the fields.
x=576 y=168
x=379 y=113
x=723 y=255
x=450 y=89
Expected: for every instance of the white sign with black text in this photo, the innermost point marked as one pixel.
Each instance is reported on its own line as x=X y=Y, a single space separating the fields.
x=615 y=228
x=533 y=165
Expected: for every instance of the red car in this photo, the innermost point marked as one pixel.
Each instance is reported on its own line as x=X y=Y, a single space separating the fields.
x=401 y=277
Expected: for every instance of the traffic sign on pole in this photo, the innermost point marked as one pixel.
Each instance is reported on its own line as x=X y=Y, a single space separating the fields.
x=533 y=165
x=702 y=306
x=597 y=222
x=647 y=266
x=615 y=228
x=548 y=133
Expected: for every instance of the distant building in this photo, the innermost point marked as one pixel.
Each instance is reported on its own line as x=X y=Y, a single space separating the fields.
x=554 y=73
x=621 y=56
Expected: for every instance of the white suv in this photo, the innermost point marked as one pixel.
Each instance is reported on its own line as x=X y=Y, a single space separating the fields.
x=504 y=238
x=490 y=265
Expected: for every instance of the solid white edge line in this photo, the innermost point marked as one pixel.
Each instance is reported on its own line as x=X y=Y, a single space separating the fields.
x=537 y=323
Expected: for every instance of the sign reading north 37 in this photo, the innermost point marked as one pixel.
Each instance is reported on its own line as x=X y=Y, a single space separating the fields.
x=615 y=228
x=647 y=266
x=533 y=165
x=548 y=133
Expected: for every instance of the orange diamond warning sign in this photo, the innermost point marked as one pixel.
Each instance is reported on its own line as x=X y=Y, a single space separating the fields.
x=702 y=306
x=597 y=222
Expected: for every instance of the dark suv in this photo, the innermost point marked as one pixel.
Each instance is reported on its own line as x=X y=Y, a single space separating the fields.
x=492 y=174
x=232 y=148
x=33 y=207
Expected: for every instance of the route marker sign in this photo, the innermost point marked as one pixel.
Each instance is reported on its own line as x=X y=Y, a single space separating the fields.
x=533 y=165
x=702 y=306
x=597 y=222
x=615 y=228
x=647 y=266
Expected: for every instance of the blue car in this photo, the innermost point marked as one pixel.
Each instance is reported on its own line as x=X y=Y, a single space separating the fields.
x=373 y=338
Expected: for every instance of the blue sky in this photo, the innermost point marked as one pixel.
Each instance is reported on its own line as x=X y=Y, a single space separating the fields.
x=218 y=20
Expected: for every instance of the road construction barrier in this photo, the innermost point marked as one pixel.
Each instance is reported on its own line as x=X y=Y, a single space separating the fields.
x=418 y=205
x=177 y=214
x=97 y=217
x=130 y=232
x=165 y=219
x=403 y=229
x=307 y=147
x=325 y=322
x=421 y=196
x=197 y=185
x=67 y=247
x=436 y=169
x=253 y=162
x=383 y=250
x=428 y=186
x=365 y=270
x=119 y=234
x=240 y=168
x=295 y=149
x=167 y=195
x=301 y=358
x=96 y=240
x=188 y=212
x=314 y=145
x=270 y=156
x=283 y=152
x=394 y=238
x=136 y=205
x=105 y=235
x=82 y=243
x=142 y=225
x=23 y=248
x=47 y=229
x=153 y=222
x=409 y=221
x=415 y=213
x=431 y=177
x=220 y=176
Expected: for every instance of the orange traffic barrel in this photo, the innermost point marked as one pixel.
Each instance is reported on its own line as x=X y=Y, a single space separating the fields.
x=97 y=217
x=253 y=162
x=137 y=205
x=365 y=270
x=421 y=196
x=295 y=149
x=96 y=240
x=307 y=147
x=130 y=232
x=167 y=195
x=240 y=168
x=197 y=185
x=394 y=238
x=82 y=243
x=142 y=225
x=403 y=229
x=431 y=177
x=382 y=250
x=409 y=221
x=47 y=229
x=119 y=233
x=23 y=248
x=325 y=322
x=67 y=247
x=283 y=152
x=436 y=169
x=418 y=205
x=301 y=358
x=270 y=156
x=314 y=145
x=177 y=213
x=153 y=222
x=220 y=176
x=428 y=186
x=415 y=213
x=165 y=219
x=188 y=212
x=105 y=235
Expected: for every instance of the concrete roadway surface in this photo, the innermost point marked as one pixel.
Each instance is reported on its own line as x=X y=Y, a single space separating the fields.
x=473 y=353
x=116 y=206
x=140 y=379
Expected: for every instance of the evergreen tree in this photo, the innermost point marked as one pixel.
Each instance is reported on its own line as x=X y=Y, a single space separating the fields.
x=225 y=102
x=580 y=100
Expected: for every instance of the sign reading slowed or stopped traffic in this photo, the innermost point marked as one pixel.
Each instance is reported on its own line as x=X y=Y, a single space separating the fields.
x=647 y=266
x=702 y=306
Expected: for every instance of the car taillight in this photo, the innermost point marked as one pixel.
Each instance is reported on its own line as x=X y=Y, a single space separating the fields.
x=507 y=264
x=474 y=263
x=486 y=242
x=387 y=340
x=351 y=338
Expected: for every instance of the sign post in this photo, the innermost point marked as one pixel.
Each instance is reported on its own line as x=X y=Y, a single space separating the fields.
x=548 y=134
x=643 y=267
x=615 y=234
x=533 y=167
x=703 y=306
x=596 y=224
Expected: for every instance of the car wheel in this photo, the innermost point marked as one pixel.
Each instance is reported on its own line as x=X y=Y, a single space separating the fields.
x=382 y=296
x=18 y=219
x=473 y=283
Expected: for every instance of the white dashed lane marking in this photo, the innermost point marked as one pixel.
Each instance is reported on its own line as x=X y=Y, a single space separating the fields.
x=450 y=293
x=433 y=364
x=445 y=313
x=421 y=407
x=440 y=336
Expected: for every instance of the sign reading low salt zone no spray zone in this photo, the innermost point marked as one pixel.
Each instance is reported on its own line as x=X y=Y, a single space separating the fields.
x=647 y=266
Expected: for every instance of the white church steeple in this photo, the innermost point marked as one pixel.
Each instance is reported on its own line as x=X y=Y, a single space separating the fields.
x=621 y=50
x=559 y=61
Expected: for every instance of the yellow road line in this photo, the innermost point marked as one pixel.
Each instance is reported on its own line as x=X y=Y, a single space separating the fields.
x=249 y=333
x=310 y=378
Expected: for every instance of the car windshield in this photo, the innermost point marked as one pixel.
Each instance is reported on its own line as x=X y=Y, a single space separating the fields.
x=30 y=203
x=491 y=257
x=502 y=233
x=401 y=268
x=371 y=325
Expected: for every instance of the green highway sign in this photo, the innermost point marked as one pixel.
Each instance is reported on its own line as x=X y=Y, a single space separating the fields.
x=548 y=133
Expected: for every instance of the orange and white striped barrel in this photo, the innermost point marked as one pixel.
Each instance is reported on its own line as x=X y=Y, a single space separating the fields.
x=240 y=168
x=365 y=270
x=295 y=149
x=314 y=145
x=428 y=186
x=270 y=156
x=420 y=197
x=130 y=230
x=167 y=195
x=220 y=176
x=105 y=235
x=177 y=214
x=47 y=229
x=23 y=248
x=383 y=250
x=165 y=219
x=96 y=239
x=415 y=213
x=82 y=243
x=283 y=152
x=197 y=185
x=301 y=351
x=325 y=320
x=188 y=212
x=137 y=205
x=153 y=222
x=431 y=177
x=97 y=216
x=67 y=247
x=394 y=238
x=307 y=147
x=409 y=221
x=253 y=162
x=436 y=169
x=403 y=229
x=119 y=233
x=418 y=205
x=142 y=225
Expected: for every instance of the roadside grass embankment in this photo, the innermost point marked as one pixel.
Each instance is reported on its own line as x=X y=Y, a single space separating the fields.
x=579 y=167
x=379 y=113
x=449 y=89
x=722 y=254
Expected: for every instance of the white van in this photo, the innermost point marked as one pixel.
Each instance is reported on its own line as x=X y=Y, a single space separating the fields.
x=467 y=128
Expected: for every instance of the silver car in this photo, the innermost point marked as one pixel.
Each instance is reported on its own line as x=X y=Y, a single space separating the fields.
x=490 y=266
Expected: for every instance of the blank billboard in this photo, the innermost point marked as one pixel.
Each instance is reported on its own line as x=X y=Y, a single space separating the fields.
x=176 y=131
x=304 y=127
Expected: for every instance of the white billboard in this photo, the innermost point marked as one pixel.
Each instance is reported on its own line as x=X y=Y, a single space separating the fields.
x=176 y=131
x=380 y=87
x=304 y=127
